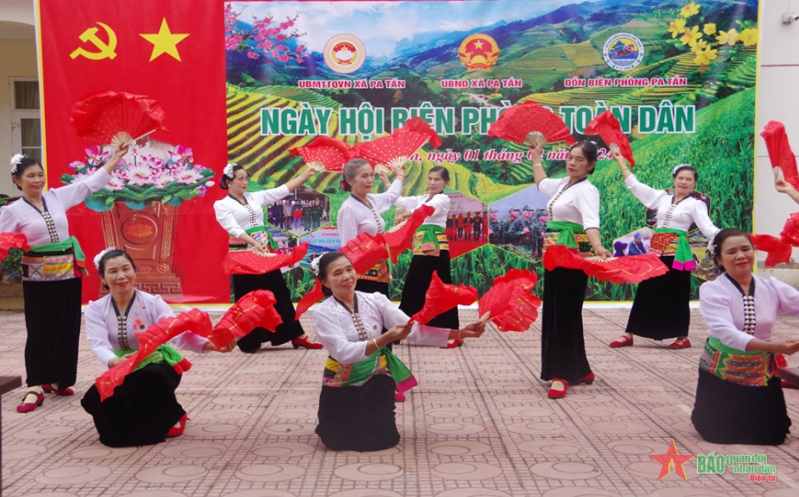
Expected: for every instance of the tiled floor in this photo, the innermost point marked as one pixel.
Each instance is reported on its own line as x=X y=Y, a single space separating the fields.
x=479 y=425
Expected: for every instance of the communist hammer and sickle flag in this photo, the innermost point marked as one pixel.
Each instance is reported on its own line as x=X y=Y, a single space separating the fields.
x=105 y=50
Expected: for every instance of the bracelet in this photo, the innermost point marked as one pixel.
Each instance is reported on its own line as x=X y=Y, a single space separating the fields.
x=374 y=340
x=538 y=165
x=459 y=335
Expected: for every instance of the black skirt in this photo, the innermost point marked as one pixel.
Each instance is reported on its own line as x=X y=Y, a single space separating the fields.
x=52 y=318
x=142 y=409
x=726 y=413
x=562 y=342
x=660 y=310
x=273 y=281
x=359 y=418
x=420 y=274
x=369 y=286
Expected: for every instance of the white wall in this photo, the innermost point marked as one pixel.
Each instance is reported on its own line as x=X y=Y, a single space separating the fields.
x=777 y=100
x=17 y=59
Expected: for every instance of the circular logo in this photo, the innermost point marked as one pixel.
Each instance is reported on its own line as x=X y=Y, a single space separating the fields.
x=478 y=52
x=344 y=53
x=623 y=51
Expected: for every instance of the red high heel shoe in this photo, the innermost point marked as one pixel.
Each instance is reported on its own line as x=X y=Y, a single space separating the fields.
x=623 y=341
x=453 y=343
x=558 y=394
x=30 y=406
x=63 y=391
x=680 y=344
x=178 y=430
x=303 y=342
x=587 y=379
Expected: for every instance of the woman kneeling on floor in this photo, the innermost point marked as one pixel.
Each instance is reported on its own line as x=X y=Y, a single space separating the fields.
x=739 y=399
x=356 y=406
x=143 y=410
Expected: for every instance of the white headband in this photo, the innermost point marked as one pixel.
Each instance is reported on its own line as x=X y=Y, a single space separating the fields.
x=677 y=168
x=228 y=170
x=100 y=256
x=15 y=161
x=315 y=265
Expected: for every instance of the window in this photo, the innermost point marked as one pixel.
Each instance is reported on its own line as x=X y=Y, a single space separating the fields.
x=26 y=122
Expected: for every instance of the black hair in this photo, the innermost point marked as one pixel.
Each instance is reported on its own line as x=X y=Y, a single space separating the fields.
x=685 y=167
x=112 y=254
x=349 y=170
x=718 y=241
x=324 y=262
x=225 y=178
x=24 y=164
x=589 y=151
x=442 y=171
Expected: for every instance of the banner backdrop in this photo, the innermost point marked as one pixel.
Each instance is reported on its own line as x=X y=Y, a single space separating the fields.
x=679 y=77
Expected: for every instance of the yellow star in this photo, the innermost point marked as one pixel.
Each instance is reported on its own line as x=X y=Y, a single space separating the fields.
x=164 y=42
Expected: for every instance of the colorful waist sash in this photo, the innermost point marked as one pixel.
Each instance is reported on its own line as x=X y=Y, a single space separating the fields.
x=670 y=241
x=751 y=369
x=430 y=239
x=54 y=261
x=162 y=354
x=380 y=273
x=261 y=235
x=572 y=235
x=381 y=362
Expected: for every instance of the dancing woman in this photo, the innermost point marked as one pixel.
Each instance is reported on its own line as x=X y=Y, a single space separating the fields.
x=241 y=215
x=143 y=410
x=574 y=222
x=739 y=399
x=660 y=310
x=51 y=277
x=356 y=405
x=361 y=213
x=430 y=250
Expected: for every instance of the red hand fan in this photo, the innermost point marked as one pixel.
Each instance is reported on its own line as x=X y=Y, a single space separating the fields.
x=630 y=269
x=778 y=250
x=256 y=309
x=509 y=303
x=309 y=299
x=158 y=334
x=251 y=262
x=12 y=240
x=400 y=144
x=441 y=297
x=517 y=122
x=117 y=118
x=790 y=231
x=400 y=237
x=609 y=129
x=365 y=251
x=779 y=152
x=325 y=153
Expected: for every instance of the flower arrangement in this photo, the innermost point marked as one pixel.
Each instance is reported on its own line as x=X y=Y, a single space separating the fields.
x=148 y=178
x=267 y=37
x=702 y=40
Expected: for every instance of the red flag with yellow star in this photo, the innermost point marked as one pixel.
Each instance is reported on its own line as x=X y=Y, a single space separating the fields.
x=161 y=210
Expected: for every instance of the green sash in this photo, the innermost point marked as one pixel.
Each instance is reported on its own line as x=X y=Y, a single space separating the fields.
x=430 y=234
x=566 y=231
x=257 y=229
x=748 y=368
x=163 y=354
x=683 y=259
x=69 y=243
x=342 y=375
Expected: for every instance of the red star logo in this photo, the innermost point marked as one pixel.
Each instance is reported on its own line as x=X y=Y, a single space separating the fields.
x=671 y=459
x=477 y=48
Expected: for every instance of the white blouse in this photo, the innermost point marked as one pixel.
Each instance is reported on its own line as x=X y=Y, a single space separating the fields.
x=439 y=201
x=22 y=217
x=236 y=218
x=105 y=336
x=335 y=328
x=355 y=218
x=722 y=306
x=578 y=204
x=677 y=216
